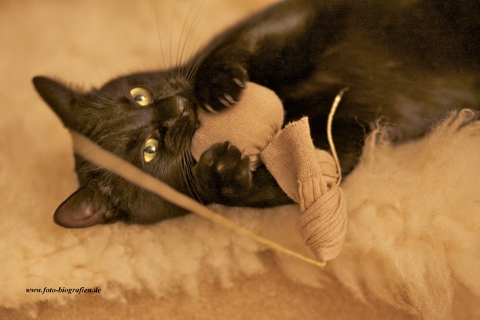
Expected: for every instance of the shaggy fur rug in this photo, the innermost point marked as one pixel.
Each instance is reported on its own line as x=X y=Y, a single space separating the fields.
x=413 y=240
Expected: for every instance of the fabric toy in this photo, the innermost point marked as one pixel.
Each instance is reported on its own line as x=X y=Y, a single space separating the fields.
x=306 y=175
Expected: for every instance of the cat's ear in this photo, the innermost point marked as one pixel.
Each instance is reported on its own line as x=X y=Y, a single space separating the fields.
x=84 y=208
x=59 y=97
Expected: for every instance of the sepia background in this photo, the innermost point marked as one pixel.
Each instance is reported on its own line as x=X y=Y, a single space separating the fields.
x=412 y=247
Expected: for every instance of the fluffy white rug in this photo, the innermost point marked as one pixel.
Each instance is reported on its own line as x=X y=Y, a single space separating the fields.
x=414 y=228
x=414 y=210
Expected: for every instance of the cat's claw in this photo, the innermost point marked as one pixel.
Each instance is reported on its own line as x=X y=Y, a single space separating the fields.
x=227 y=101
x=209 y=108
x=220 y=85
x=240 y=83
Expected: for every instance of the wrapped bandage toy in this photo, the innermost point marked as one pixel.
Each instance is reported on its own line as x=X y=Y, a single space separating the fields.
x=305 y=174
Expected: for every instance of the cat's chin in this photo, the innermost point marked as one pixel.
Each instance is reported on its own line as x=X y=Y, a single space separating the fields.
x=178 y=138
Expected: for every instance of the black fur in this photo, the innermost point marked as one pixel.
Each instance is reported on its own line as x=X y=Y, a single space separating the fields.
x=406 y=64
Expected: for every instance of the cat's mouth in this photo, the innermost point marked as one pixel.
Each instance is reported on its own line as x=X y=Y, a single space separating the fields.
x=179 y=131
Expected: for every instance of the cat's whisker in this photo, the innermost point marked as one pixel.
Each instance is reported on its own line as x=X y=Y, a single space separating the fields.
x=190 y=179
x=193 y=67
x=160 y=37
x=188 y=35
x=187 y=160
x=198 y=43
x=194 y=64
x=180 y=51
x=96 y=67
x=172 y=66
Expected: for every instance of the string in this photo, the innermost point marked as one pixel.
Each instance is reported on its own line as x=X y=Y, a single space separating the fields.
x=106 y=160
x=335 y=105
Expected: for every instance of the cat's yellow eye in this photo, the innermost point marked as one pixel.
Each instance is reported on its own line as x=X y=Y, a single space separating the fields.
x=142 y=96
x=150 y=149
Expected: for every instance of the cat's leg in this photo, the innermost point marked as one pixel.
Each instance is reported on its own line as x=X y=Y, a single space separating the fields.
x=276 y=48
x=223 y=175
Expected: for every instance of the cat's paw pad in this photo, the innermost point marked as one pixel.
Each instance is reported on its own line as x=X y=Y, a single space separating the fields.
x=225 y=170
x=220 y=86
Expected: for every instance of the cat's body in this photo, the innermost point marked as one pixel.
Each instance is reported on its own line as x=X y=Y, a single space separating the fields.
x=405 y=64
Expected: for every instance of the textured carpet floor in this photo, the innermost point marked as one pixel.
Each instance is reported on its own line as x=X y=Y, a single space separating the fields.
x=412 y=248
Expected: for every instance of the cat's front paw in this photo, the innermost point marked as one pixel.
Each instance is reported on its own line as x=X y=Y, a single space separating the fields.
x=223 y=173
x=219 y=85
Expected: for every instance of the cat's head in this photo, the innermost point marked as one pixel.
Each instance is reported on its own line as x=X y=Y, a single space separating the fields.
x=147 y=119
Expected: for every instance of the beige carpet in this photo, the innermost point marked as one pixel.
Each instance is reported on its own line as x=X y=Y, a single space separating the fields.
x=267 y=296
x=414 y=217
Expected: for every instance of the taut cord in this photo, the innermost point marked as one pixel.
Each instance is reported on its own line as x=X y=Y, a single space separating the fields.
x=108 y=161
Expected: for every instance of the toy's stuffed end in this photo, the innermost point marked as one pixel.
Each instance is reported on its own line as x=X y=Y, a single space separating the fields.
x=250 y=125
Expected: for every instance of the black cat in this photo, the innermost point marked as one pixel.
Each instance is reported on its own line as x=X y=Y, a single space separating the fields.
x=405 y=63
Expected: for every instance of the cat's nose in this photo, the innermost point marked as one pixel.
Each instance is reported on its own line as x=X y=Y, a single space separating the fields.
x=173 y=109
x=182 y=104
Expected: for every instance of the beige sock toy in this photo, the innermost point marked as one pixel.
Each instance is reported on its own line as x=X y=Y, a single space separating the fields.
x=307 y=175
